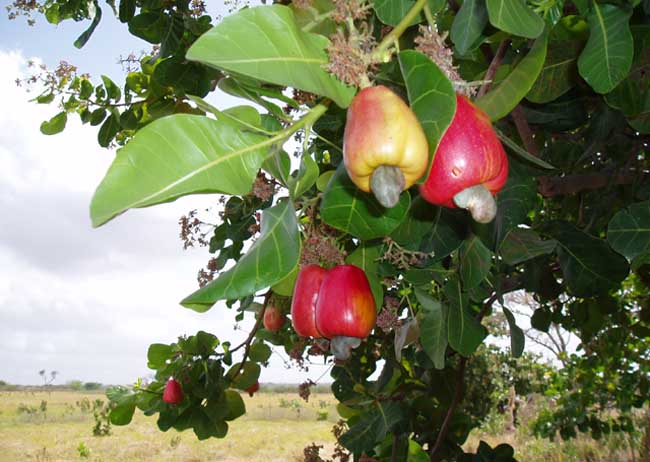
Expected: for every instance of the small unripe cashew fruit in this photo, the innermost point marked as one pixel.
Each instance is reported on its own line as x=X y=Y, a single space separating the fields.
x=385 y=149
x=470 y=165
x=173 y=393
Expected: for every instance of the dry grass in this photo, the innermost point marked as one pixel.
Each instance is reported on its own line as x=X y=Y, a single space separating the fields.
x=276 y=428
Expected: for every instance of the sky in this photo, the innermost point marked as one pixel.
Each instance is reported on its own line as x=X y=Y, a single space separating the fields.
x=87 y=302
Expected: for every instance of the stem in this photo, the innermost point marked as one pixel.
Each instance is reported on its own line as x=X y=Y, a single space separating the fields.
x=492 y=69
x=525 y=133
x=460 y=375
x=397 y=32
x=393 y=454
x=430 y=19
x=251 y=335
x=317 y=20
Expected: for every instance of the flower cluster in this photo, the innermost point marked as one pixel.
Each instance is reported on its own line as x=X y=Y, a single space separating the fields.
x=350 y=56
x=304 y=389
x=432 y=44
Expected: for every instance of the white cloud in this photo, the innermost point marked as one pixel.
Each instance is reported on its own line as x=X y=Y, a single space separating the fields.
x=86 y=302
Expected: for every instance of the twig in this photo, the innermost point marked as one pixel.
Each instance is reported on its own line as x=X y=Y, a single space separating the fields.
x=394 y=35
x=494 y=65
x=251 y=335
x=458 y=394
x=525 y=133
x=393 y=454
x=560 y=185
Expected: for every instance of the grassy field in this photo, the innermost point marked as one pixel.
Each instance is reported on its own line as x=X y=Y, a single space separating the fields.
x=276 y=428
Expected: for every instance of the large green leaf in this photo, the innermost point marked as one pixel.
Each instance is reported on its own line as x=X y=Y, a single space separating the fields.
x=431 y=95
x=522 y=244
x=175 y=156
x=416 y=225
x=266 y=43
x=514 y=17
x=55 y=125
x=446 y=234
x=607 y=57
x=589 y=265
x=465 y=333
x=559 y=73
x=514 y=202
x=502 y=99
x=475 y=262
x=433 y=328
x=517 y=338
x=629 y=230
x=372 y=426
x=349 y=209
x=272 y=257
x=468 y=25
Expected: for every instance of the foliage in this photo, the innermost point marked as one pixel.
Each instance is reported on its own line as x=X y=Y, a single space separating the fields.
x=565 y=84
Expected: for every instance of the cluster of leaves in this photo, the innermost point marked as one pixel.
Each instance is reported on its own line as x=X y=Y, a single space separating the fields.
x=211 y=398
x=569 y=96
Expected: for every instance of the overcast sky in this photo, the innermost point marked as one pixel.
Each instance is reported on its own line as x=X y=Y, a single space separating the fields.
x=85 y=302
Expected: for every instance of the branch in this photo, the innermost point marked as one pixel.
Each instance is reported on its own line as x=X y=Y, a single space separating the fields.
x=492 y=69
x=247 y=343
x=458 y=394
x=396 y=33
x=525 y=133
x=550 y=186
x=460 y=375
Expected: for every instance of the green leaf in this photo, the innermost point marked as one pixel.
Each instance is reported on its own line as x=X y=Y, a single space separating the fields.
x=502 y=99
x=207 y=155
x=149 y=26
x=55 y=125
x=372 y=426
x=416 y=225
x=158 y=354
x=465 y=333
x=173 y=35
x=279 y=166
x=248 y=375
x=122 y=413
x=522 y=244
x=266 y=43
x=589 y=265
x=236 y=406
x=445 y=235
x=391 y=12
x=514 y=17
x=85 y=36
x=107 y=131
x=517 y=198
x=431 y=96
x=541 y=319
x=305 y=177
x=366 y=257
x=607 y=57
x=468 y=25
x=112 y=90
x=475 y=262
x=628 y=231
x=260 y=352
x=433 y=328
x=271 y=258
x=521 y=152
x=189 y=78
x=127 y=10
x=559 y=73
x=517 y=339
x=349 y=209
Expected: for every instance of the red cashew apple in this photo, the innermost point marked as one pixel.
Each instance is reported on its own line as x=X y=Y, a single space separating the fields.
x=470 y=165
x=305 y=296
x=173 y=393
x=273 y=318
x=384 y=147
x=345 y=310
x=253 y=389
